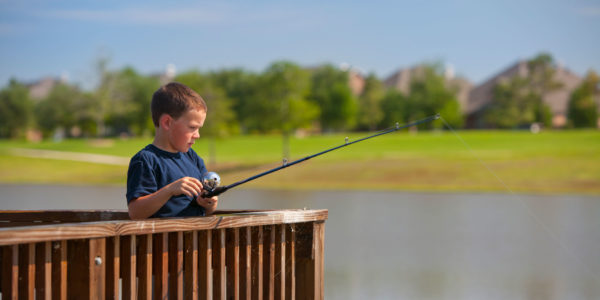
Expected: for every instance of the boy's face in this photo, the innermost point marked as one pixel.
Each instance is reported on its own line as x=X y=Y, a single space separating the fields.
x=183 y=131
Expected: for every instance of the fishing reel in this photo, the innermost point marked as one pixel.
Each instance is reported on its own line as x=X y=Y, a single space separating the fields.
x=211 y=182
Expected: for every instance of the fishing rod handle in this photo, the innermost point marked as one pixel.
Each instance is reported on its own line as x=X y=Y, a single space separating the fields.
x=215 y=192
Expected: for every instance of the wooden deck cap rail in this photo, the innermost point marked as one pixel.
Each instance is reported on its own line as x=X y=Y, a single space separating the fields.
x=233 y=255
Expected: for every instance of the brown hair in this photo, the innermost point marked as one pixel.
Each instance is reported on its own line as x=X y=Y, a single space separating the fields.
x=174 y=99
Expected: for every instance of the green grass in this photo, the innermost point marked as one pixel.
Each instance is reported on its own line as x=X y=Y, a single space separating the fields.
x=549 y=162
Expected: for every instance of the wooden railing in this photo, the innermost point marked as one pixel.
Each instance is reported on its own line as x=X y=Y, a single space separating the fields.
x=104 y=255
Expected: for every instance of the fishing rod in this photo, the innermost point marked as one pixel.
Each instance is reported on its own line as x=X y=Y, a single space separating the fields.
x=212 y=180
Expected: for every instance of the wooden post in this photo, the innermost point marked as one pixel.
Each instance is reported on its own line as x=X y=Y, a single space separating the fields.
x=191 y=264
x=113 y=263
x=205 y=264
x=233 y=263
x=129 y=267
x=257 y=266
x=246 y=263
x=144 y=266
x=26 y=271
x=10 y=272
x=219 y=279
x=269 y=262
x=161 y=265
x=290 y=279
x=309 y=261
x=280 y=261
x=43 y=274
x=59 y=270
x=176 y=265
x=86 y=260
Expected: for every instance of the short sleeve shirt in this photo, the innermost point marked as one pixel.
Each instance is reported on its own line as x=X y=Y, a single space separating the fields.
x=152 y=168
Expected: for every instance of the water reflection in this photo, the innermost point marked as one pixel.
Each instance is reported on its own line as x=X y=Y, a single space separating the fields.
x=394 y=245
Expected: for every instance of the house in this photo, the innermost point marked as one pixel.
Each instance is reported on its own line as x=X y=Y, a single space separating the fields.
x=482 y=95
x=401 y=80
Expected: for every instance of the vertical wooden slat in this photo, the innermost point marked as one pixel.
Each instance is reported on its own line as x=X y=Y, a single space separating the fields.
x=144 y=266
x=233 y=263
x=309 y=261
x=246 y=263
x=59 y=270
x=97 y=268
x=219 y=279
x=257 y=262
x=43 y=268
x=113 y=263
x=26 y=271
x=205 y=264
x=129 y=267
x=10 y=272
x=269 y=262
x=191 y=264
x=290 y=279
x=160 y=266
x=319 y=247
x=176 y=265
x=280 y=263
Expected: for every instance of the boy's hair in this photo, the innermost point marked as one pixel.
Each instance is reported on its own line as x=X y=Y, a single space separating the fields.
x=174 y=99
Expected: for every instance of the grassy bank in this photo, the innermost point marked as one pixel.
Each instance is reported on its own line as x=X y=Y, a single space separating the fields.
x=549 y=162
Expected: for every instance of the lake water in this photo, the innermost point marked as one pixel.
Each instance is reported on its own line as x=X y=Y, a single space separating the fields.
x=399 y=245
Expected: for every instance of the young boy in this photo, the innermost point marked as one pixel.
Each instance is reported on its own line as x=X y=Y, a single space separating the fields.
x=164 y=178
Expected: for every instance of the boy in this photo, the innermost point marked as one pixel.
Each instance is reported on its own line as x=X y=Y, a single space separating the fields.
x=164 y=178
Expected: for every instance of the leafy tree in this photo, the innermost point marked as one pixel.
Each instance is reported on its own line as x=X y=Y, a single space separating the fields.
x=583 y=108
x=241 y=88
x=331 y=92
x=58 y=110
x=220 y=119
x=395 y=108
x=429 y=94
x=519 y=101
x=15 y=110
x=130 y=94
x=370 y=112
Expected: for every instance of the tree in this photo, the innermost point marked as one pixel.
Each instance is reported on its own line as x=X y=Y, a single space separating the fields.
x=370 y=112
x=220 y=118
x=429 y=94
x=331 y=92
x=15 y=110
x=130 y=95
x=58 y=110
x=395 y=108
x=583 y=108
x=518 y=101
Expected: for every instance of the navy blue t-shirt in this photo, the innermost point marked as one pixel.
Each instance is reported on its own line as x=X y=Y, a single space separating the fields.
x=153 y=168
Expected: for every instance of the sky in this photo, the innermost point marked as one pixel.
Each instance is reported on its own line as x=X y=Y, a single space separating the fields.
x=476 y=38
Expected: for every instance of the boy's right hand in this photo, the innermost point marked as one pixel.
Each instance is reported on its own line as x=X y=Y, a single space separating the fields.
x=188 y=186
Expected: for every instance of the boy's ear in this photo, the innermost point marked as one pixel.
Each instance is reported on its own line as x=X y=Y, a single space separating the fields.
x=165 y=121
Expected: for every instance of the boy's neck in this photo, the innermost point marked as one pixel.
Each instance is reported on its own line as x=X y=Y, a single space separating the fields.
x=161 y=141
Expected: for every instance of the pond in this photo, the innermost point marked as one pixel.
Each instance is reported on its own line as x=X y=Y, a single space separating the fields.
x=401 y=245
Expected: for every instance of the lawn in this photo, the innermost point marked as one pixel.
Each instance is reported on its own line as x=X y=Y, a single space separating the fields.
x=495 y=161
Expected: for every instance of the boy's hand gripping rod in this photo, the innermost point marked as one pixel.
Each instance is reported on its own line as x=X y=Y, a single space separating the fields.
x=212 y=180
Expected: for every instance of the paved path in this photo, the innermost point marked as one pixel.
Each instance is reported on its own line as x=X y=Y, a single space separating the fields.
x=73 y=156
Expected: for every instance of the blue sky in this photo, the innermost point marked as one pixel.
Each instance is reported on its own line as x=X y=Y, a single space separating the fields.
x=477 y=38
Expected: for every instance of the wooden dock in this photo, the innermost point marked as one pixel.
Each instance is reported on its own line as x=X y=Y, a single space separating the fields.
x=103 y=255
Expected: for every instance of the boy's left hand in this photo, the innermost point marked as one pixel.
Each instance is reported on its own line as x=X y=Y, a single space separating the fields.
x=210 y=204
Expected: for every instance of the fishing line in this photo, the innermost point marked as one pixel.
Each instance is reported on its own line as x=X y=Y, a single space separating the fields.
x=528 y=208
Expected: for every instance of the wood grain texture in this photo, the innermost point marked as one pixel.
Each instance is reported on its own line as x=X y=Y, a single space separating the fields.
x=34 y=234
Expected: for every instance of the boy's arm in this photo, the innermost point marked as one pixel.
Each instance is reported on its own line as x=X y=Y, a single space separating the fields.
x=145 y=206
